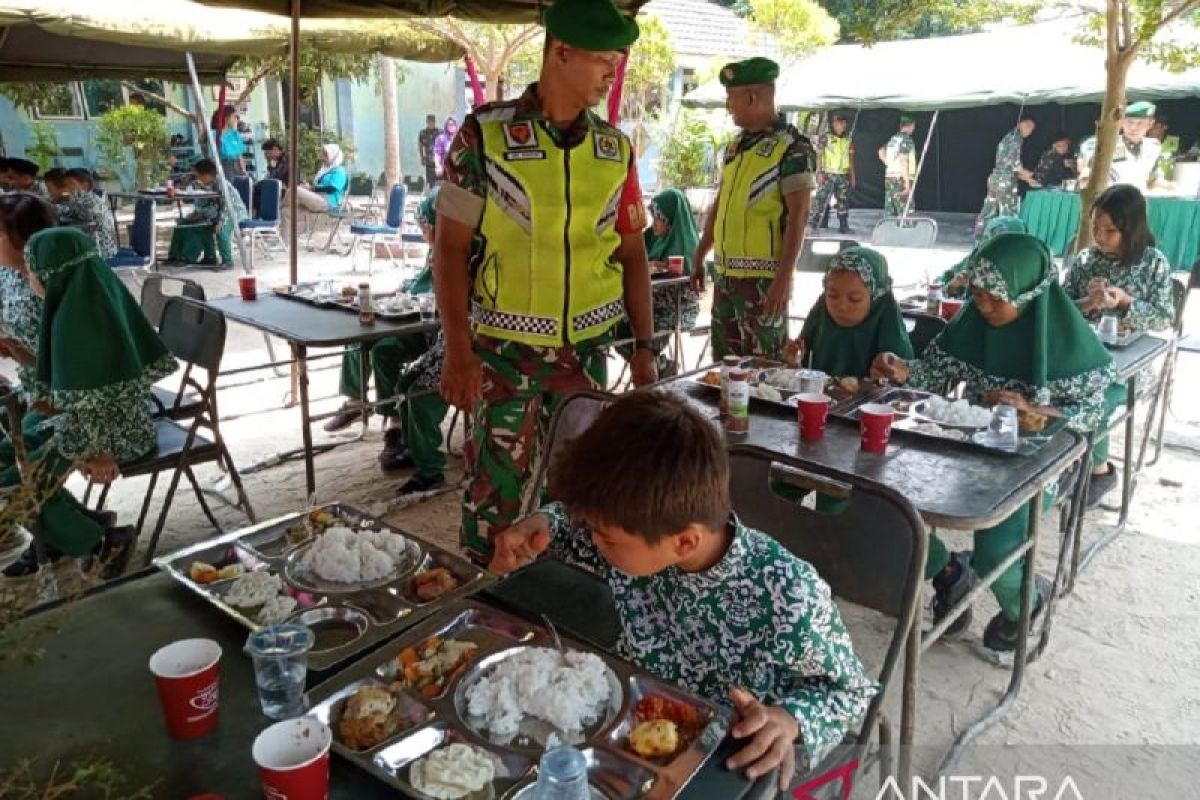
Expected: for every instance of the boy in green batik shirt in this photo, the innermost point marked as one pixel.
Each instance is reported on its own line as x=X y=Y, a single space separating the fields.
x=704 y=601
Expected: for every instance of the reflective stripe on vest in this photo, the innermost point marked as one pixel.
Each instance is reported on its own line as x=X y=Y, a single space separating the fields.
x=548 y=274
x=835 y=156
x=748 y=238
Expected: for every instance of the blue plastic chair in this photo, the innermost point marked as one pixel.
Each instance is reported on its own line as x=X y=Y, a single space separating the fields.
x=263 y=230
x=391 y=226
x=244 y=188
x=140 y=253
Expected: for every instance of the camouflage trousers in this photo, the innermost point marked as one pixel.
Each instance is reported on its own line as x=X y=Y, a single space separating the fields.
x=894 y=197
x=522 y=388
x=739 y=326
x=839 y=187
x=1002 y=200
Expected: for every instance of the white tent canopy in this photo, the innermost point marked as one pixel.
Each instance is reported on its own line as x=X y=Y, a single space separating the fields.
x=1028 y=65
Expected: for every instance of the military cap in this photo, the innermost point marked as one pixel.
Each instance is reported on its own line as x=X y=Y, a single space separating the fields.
x=907 y=119
x=595 y=25
x=841 y=115
x=1140 y=110
x=749 y=72
x=23 y=166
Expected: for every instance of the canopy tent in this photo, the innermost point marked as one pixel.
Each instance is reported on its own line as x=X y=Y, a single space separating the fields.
x=476 y=10
x=45 y=40
x=951 y=72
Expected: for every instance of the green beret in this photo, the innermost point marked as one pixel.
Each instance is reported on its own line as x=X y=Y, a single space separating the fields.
x=595 y=25
x=1141 y=110
x=749 y=72
x=906 y=119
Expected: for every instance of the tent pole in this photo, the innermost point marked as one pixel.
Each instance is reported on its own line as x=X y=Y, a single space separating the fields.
x=294 y=145
x=222 y=185
x=912 y=192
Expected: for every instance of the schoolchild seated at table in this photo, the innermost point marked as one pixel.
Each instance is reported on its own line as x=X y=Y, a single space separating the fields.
x=24 y=177
x=1123 y=274
x=704 y=601
x=854 y=319
x=212 y=221
x=80 y=207
x=1020 y=341
x=954 y=280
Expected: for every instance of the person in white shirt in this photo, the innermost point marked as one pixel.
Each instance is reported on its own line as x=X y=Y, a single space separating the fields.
x=1136 y=157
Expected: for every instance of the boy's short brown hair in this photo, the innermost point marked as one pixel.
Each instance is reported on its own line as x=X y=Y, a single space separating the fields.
x=650 y=464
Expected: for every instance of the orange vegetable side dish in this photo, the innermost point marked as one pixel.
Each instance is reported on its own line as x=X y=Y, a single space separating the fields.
x=428 y=667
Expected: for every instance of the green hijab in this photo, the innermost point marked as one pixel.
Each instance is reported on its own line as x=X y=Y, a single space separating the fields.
x=427 y=215
x=848 y=352
x=1050 y=340
x=93 y=333
x=994 y=227
x=682 y=238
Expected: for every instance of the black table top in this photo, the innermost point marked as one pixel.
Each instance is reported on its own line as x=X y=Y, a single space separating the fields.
x=91 y=695
x=951 y=484
x=307 y=325
x=1130 y=360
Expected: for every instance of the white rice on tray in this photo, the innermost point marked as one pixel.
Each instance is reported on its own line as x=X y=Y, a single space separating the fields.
x=536 y=683
x=342 y=555
x=253 y=589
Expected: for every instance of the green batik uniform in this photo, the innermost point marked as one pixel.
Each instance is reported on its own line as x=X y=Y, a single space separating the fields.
x=761 y=169
x=549 y=206
x=97 y=357
x=676 y=304
x=836 y=155
x=994 y=227
x=89 y=212
x=900 y=151
x=1002 y=198
x=211 y=223
x=21 y=320
x=760 y=619
x=1048 y=354
x=1148 y=282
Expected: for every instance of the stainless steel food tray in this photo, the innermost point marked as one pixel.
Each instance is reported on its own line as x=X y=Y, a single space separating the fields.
x=345 y=619
x=908 y=422
x=428 y=723
x=1126 y=340
x=843 y=401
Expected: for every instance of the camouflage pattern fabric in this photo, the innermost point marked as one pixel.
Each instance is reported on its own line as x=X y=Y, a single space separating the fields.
x=1002 y=199
x=738 y=324
x=839 y=187
x=894 y=197
x=523 y=386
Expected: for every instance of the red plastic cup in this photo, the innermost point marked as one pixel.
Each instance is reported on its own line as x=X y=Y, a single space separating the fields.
x=948 y=307
x=675 y=265
x=248 y=286
x=188 y=674
x=875 y=426
x=812 y=410
x=293 y=759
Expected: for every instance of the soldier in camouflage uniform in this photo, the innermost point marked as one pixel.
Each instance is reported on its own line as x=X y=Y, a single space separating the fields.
x=836 y=175
x=899 y=157
x=756 y=226
x=551 y=278
x=1002 y=198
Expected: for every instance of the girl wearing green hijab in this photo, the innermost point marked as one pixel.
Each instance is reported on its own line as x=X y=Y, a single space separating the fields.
x=854 y=319
x=954 y=280
x=1019 y=340
x=672 y=232
x=97 y=358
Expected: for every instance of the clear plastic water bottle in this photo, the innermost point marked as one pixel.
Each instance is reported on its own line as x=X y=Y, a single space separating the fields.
x=562 y=775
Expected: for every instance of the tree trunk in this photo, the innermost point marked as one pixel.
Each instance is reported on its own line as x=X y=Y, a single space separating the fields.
x=391 y=121
x=492 y=86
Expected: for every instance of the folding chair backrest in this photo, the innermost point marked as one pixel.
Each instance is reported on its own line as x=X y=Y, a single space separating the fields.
x=141 y=236
x=1179 y=294
x=395 y=207
x=574 y=416
x=269 y=194
x=155 y=296
x=871 y=554
x=925 y=329
x=361 y=186
x=911 y=232
x=244 y=187
x=194 y=333
x=816 y=254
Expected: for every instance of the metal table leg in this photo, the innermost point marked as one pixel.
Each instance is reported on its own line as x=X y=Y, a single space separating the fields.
x=1128 y=476
x=299 y=354
x=908 y=702
x=364 y=363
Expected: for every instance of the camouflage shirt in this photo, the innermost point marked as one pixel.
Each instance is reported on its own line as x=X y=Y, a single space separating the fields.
x=1008 y=153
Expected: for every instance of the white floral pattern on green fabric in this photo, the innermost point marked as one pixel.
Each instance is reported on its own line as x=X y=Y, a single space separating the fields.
x=1080 y=398
x=45 y=273
x=984 y=275
x=858 y=263
x=1148 y=282
x=21 y=319
x=760 y=619
x=89 y=212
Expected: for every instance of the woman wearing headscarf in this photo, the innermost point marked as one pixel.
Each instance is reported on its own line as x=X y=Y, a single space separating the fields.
x=1019 y=340
x=672 y=232
x=97 y=357
x=854 y=319
x=954 y=280
x=441 y=145
x=328 y=189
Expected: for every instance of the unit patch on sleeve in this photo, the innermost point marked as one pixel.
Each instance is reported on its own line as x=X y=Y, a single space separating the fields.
x=520 y=134
x=607 y=147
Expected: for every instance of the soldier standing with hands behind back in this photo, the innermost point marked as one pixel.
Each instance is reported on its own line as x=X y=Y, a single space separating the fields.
x=899 y=156
x=551 y=193
x=756 y=225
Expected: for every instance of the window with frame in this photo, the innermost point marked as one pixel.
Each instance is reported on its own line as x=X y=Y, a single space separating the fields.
x=62 y=101
x=102 y=96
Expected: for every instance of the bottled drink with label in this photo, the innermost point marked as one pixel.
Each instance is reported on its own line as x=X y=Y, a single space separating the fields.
x=366 y=308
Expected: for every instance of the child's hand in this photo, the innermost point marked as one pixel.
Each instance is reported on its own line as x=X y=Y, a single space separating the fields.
x=793 y=352
x=772 y=732
x=520 y=544
x=889 y=366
